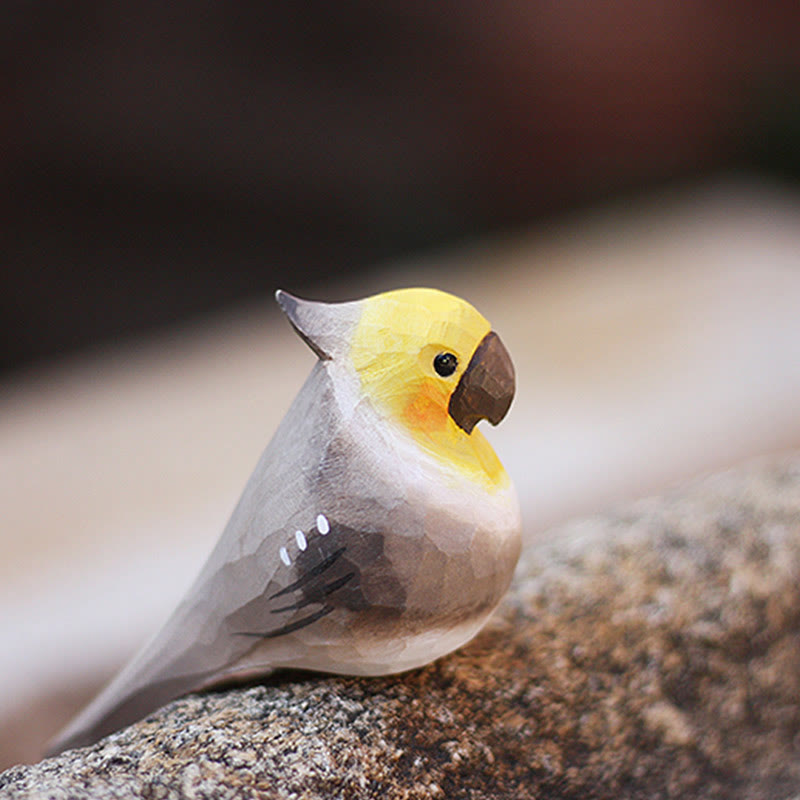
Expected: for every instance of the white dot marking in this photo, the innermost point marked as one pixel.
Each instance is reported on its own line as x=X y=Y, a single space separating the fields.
x=285 y=557
x=322 y=524
x=301 y=539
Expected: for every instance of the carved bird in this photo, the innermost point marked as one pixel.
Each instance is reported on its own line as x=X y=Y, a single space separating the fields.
x=379 y=529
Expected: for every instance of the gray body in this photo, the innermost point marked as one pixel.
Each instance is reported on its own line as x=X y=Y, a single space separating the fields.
x=413 y=561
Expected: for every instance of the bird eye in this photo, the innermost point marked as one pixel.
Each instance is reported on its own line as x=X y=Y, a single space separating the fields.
x=445 y=364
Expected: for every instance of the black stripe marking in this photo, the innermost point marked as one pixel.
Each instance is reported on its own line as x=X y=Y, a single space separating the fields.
x=324 y=592
x=293 y=626
x=311 y=574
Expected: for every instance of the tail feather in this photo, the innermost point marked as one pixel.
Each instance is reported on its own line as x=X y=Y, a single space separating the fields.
x=102 y=716
x=168 y=666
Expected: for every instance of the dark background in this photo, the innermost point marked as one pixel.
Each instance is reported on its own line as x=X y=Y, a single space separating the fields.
x=159 y=160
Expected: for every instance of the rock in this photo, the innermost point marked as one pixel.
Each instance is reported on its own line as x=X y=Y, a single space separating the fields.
x=649 y=654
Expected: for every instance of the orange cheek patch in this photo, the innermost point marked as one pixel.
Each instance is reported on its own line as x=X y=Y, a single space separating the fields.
x=426 y=410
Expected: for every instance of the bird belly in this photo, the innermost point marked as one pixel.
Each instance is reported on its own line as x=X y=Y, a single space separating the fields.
x=401 y=566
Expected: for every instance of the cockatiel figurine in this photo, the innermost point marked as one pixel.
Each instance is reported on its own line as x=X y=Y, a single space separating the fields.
x=379 y=529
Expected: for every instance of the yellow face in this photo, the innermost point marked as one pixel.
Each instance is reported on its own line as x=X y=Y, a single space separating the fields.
x=394 y=351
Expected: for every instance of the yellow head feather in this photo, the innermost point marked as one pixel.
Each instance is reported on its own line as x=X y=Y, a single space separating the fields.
x=396 y=340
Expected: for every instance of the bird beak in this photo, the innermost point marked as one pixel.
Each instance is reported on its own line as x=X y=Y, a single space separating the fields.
x=486 y=387
x=326 y=328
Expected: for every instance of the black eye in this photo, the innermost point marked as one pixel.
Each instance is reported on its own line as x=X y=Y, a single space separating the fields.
x=445 y=364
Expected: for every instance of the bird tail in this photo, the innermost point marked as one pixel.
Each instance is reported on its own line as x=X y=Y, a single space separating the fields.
x=168 y=666
x=110 y=711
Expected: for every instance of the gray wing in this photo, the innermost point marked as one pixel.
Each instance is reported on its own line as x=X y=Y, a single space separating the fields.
x=272 y=572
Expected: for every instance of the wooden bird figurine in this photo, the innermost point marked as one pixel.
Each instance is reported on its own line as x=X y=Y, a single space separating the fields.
x=379 y=529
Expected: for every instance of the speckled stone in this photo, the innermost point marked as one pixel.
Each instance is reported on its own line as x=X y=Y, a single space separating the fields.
x=654 y=653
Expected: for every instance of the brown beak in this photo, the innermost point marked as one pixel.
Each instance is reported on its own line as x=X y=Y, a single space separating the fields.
x=486 y=388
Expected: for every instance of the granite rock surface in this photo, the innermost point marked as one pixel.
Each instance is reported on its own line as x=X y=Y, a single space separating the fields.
x=651 y=653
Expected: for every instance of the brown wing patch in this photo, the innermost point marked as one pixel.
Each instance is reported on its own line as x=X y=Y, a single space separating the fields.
x=330 y=571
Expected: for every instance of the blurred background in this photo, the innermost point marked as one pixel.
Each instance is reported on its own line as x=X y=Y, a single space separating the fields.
x=616 y=186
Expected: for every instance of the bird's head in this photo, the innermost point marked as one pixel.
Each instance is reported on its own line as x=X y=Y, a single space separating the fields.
x=425 y=359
